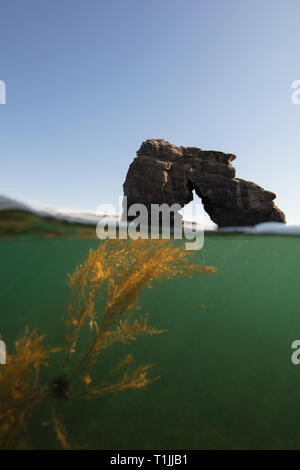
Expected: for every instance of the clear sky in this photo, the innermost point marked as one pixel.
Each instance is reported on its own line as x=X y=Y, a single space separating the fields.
x=88 y=81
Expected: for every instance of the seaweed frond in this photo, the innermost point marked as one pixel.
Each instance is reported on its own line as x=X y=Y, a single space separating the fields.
x=20 y=391
x=104 y=310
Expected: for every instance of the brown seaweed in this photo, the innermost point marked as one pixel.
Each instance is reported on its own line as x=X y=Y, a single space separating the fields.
x=104 y=310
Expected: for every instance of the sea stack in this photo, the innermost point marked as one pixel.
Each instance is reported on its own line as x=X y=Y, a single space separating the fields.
x=165 y=173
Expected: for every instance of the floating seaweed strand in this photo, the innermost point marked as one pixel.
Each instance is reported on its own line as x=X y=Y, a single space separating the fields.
x=116 y=272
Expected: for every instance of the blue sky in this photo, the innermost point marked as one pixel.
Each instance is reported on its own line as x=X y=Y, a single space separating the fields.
x=88 y=81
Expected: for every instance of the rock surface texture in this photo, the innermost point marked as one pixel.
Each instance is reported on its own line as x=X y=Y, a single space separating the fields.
x=164 y=173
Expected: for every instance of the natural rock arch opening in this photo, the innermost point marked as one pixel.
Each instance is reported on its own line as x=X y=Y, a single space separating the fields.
x=194 y=211
x=165 y=173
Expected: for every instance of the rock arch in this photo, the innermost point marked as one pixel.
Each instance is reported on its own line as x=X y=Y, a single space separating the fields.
x=165 y=173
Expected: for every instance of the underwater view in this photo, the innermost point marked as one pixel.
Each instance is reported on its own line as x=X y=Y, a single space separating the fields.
x=202 y=360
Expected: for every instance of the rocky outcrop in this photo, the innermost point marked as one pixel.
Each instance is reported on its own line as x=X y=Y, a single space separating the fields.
x=165 y=173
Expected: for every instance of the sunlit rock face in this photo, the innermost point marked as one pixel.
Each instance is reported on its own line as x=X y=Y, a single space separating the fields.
x=165 y=173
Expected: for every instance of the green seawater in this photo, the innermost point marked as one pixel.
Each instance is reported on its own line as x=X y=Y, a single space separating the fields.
x=227 y=380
